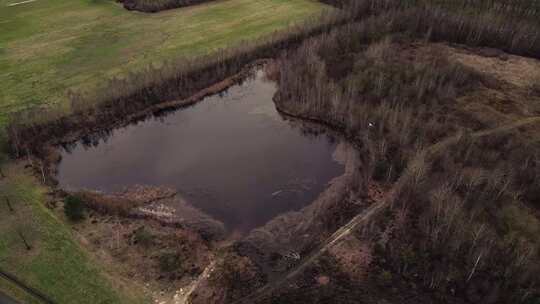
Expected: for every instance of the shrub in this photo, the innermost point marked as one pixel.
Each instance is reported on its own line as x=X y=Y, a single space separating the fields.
x=74 y=208
x=169 y=262
x=143 y=237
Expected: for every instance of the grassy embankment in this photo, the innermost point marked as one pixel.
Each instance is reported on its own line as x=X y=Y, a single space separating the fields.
x=51 y=48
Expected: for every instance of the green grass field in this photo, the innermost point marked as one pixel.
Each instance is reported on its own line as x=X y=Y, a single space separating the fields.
x=50 y=46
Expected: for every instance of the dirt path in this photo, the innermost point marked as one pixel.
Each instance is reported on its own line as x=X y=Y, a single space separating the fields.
x=374 y=209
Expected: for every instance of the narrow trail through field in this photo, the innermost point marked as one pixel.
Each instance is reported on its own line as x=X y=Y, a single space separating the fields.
x=377 y=207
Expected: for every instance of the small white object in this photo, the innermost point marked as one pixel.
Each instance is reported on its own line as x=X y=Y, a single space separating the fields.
x=277 y=192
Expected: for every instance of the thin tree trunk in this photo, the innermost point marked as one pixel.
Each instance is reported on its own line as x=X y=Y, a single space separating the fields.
x=42 y=172
x=2 y=174
x=9 y=204
x=475 y=265
x=28 y=247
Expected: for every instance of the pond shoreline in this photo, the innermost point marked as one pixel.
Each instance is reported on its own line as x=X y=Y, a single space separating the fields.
x=45 y=162
x=330 y=200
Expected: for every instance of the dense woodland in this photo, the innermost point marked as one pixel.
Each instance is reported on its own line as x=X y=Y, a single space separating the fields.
x=462 y=222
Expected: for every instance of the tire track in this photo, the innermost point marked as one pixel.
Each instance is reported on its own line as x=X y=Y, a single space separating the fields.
x=29 y=290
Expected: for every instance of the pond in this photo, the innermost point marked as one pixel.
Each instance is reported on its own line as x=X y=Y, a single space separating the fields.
x=232 y=156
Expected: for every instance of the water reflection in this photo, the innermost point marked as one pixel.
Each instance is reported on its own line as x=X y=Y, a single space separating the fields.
x=232 y=156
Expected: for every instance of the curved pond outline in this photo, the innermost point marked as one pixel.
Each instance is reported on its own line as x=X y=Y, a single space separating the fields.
x=231 y=155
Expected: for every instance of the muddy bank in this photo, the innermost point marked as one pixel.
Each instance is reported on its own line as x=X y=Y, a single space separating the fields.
x=177 y=212
x=159 y=204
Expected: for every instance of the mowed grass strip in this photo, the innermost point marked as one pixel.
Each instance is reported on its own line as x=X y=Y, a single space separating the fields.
x=50 y=46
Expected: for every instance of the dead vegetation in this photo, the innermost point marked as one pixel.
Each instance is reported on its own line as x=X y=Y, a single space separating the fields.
x=534 y=87
x=463 y=227
x=145 y=251
x=106 y=204
x=163 y=257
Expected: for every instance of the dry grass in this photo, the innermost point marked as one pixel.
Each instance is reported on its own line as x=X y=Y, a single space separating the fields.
x=106 y=204
x=460 y=211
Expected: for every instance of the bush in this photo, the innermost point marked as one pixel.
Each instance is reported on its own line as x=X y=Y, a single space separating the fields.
x=74 y=208
x=142 y=237
x=169 y=262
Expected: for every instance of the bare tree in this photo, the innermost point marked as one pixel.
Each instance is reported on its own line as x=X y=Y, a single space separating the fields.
x=8 y=203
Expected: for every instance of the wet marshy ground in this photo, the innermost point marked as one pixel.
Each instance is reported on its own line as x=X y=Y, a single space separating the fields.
x=233 y=156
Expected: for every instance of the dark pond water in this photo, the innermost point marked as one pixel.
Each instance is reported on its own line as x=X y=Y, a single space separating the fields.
x=232 y=156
